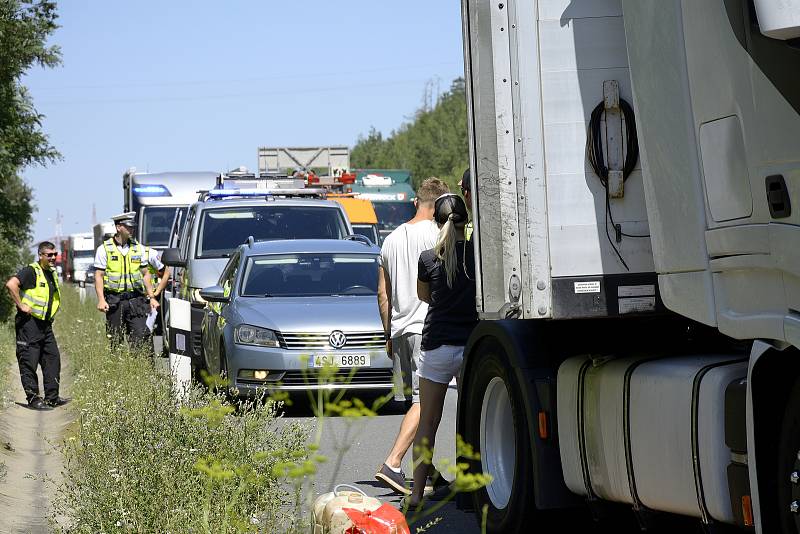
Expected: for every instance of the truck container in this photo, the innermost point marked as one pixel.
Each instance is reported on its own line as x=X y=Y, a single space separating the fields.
x=103 y=231
x=635 y=164
x=80 y=254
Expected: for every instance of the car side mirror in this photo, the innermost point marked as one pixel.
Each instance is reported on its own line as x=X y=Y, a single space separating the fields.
x=172 y=257
x=214 y=294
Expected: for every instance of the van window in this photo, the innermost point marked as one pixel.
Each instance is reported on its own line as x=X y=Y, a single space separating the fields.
x=224 y=229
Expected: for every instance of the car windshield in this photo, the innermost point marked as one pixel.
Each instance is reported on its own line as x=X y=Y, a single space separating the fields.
x=156 y=224
x=222 y=230
x=393 y=214
x=311 y=274
x=366 y=230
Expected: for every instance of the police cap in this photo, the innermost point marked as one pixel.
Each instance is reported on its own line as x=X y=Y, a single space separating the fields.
x=126 y=219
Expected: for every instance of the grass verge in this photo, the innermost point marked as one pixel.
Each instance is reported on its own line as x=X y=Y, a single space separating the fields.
x=140 y=461
x=8 y=360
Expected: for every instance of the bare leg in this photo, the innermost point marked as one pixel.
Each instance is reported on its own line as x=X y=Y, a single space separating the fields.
x=405 y=437
x=431 y=396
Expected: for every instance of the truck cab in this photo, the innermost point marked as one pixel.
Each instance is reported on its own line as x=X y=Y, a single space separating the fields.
x=157 y=197
x=636 y=174
x=391 y=194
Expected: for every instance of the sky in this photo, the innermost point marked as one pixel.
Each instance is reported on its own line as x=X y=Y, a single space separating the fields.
x=199 y=85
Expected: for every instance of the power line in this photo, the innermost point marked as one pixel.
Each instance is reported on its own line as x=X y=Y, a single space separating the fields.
x=228 y=81
x=288 y=91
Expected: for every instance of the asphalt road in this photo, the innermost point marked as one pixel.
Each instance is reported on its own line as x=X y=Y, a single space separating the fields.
x=363 y=445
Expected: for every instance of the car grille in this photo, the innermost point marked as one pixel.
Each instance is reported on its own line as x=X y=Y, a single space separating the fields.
x=316 y=341
x=342 y=377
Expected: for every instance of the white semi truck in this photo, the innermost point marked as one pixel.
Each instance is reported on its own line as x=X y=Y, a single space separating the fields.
x=636 y=164
x=81 y=258
x=156 y=198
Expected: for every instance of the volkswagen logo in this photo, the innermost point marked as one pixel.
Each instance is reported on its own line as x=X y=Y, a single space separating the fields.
x=337 y=339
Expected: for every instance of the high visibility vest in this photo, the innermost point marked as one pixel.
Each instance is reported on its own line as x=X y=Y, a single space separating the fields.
x=123 y=271
x=151 y=252
x=39 y=295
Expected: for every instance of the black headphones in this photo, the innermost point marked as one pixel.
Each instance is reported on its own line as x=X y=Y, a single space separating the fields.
x=450 y=206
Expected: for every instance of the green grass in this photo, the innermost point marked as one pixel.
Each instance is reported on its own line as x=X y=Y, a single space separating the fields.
x=141 y=461
x=8 y=361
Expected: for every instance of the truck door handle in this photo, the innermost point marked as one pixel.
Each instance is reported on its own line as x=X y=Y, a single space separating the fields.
x=780 y=205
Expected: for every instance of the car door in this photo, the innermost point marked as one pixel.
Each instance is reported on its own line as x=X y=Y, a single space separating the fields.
x=214 y=320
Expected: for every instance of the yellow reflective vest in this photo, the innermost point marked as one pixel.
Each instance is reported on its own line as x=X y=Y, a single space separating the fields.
x=124 y=271
x=38 y=297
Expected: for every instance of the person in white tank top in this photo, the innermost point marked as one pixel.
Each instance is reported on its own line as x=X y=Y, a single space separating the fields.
x=403 y=316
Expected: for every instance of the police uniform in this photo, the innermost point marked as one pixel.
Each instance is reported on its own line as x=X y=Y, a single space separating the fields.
x=123 y=287
x=36 y=342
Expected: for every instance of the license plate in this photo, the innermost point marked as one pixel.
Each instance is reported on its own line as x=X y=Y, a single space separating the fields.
x=340 y=360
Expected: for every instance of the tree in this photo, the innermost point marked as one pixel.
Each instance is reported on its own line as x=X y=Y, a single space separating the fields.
x=432 y=143
x=24 y=29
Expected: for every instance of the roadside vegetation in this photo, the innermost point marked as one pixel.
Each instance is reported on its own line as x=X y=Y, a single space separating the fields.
x=8 y=360
x=25 y=26
x=433 y=142
x=140 y=460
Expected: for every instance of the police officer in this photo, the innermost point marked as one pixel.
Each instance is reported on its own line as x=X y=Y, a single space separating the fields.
x=123 y=285
x=36 y=293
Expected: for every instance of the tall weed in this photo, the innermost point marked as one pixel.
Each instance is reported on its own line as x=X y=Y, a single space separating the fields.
x=141 y=461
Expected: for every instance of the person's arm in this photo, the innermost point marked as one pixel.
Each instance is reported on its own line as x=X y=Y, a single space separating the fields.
x=148 y=288
x=163 y=272
x=385 y=306
x=13 y=287
x=163 y=281
x=424 y=291
x=102 y=305
x=423 y=278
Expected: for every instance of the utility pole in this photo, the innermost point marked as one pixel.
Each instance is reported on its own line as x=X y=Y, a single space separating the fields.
x=94 y=215
x=59 y=218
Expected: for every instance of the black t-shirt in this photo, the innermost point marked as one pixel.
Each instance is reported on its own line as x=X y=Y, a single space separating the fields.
x=451 y=313
x=27 y=280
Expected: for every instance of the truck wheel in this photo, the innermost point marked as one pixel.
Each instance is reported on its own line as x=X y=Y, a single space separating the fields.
x=789 y=466
x=497 y=428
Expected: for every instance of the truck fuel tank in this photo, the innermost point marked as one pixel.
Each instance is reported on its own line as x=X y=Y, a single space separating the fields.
x=650 y=432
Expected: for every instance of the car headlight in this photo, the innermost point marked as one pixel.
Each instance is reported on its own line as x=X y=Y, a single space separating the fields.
x=253 y=335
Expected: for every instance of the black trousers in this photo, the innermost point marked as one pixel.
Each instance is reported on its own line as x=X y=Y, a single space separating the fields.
x=36 y=346
x=127 y=319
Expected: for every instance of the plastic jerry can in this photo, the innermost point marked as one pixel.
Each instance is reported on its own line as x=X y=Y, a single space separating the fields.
x=328 y=516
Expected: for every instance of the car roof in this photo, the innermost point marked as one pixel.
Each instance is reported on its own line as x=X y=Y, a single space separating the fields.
x=297 y=246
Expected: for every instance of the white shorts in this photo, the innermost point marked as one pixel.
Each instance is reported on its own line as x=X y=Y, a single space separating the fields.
x=441 y=364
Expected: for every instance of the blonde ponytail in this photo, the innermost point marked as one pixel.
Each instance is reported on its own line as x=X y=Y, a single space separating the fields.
x=445 y=250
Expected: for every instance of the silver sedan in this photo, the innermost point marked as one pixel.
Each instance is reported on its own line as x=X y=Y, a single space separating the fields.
x=285 y=310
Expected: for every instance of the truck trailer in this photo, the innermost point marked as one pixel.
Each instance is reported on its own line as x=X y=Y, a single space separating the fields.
x=80 y=258
x=635 y=167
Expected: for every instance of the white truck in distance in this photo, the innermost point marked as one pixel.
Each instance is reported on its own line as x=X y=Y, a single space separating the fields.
x=635 y=167
x=81 y=257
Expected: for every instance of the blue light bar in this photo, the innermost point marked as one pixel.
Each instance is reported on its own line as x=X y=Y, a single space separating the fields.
x=219 y=193
x=157 y=190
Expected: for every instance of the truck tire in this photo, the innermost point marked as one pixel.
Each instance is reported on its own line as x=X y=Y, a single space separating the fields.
x=499 y=431
x=789 y=463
